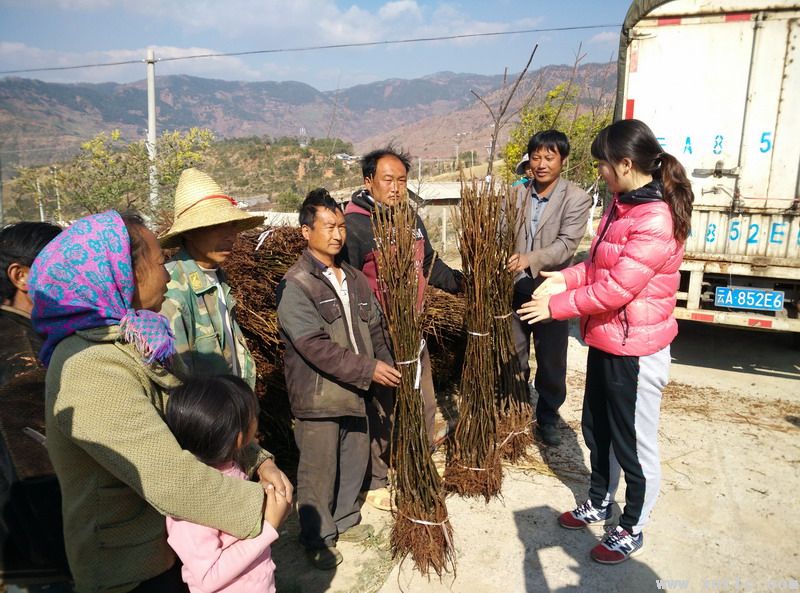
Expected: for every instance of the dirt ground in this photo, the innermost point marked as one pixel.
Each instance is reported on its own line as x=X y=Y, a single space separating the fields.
x=727 y=518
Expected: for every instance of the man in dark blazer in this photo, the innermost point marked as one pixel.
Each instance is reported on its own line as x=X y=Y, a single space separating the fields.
x=552 y=214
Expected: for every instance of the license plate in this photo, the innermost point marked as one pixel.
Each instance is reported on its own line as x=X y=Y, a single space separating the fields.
x=757 y=299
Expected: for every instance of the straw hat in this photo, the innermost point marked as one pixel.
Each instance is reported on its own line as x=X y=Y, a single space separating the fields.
x=201 y=203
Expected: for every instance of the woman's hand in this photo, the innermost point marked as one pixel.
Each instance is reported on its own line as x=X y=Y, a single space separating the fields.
x=268 y=473
x=554 y=283
x=276 y=507
x=536 y=309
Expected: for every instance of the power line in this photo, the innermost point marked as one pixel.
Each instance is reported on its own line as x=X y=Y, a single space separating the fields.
x=317 y=47
x=53 y=68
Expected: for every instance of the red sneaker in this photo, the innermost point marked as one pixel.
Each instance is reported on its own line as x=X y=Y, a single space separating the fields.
x=584 y=515
x=617 y=546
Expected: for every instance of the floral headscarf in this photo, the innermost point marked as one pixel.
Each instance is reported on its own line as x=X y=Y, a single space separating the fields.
x=84 y=278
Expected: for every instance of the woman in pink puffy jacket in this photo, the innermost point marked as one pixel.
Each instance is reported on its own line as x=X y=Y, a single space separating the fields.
x=624 y=294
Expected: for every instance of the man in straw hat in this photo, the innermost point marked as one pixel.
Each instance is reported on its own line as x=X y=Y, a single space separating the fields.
x=198 y=303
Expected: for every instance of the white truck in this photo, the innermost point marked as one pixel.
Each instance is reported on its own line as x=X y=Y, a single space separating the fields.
x=718 y=81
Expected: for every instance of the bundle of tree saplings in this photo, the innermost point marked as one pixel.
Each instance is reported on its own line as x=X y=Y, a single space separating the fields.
x=514 y=413
x=421 y=528
x=445 y=337
x=473 y=466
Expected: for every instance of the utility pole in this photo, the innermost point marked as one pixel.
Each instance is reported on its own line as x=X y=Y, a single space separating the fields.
x=41 y=205
x=151 y=128
x=459 y=135
x=444 y=230
x=58 y=195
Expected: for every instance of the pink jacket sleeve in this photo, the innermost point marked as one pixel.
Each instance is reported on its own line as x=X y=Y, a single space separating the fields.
x=575 y=276
x=211 y=564
x=644 y=253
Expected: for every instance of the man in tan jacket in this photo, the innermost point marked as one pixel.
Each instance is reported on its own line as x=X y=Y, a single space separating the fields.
x=552 y=216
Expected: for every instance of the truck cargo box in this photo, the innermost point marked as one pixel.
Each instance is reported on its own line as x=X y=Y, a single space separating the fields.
x=719 y=84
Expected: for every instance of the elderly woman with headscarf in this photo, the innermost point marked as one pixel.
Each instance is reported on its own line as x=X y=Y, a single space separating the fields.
x=95 y=289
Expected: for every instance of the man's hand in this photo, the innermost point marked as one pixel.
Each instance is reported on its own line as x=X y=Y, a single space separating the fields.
x=516 y=263
x=386 y=375
x=554 y=283
x=268 y=473
x=537 y=309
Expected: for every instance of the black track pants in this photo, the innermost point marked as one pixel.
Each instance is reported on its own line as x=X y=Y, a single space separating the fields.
x=621 y=408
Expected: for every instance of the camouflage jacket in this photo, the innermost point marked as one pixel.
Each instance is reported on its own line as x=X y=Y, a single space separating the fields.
x=193 y=312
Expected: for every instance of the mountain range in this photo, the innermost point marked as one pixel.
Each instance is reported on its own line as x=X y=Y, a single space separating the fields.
x=41 y=122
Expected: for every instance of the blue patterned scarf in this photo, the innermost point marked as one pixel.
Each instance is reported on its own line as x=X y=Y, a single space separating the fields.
x=84 y=279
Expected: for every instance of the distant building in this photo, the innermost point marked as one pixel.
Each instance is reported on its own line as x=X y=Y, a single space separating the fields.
x=255 y=203
x=275 y=218
x=434 y=193
x=435 y=199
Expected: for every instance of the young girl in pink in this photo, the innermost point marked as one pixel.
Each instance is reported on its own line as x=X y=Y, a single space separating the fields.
x=214 y=418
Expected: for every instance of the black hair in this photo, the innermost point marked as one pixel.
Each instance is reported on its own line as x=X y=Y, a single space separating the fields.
x=207 y=414
x=316 y=198
x=20 y=243
x=134 y=224
x=549 y=140
x=633 y=139
x=369 y=162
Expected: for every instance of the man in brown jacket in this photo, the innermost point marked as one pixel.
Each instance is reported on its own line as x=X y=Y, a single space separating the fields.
x=336 y=347
x=552 y=215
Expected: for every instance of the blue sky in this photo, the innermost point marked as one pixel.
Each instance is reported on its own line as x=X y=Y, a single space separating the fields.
x=46 y=33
